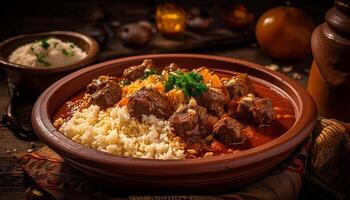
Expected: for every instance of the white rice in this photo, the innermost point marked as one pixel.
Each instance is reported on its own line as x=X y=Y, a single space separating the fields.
x=114 y=131
x=56 y=53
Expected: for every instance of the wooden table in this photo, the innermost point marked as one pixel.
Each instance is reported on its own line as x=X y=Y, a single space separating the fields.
x=13 y=182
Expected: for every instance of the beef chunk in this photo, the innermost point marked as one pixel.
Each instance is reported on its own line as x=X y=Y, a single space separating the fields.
x=149 y=102
x=239 y=85
x=185 y=123
x=99 y=82
x=229 y=131
x=105 y=91
x=172 y=67
x=256 y=110
x=214 y=100
x=135 y=72
x=192 y=122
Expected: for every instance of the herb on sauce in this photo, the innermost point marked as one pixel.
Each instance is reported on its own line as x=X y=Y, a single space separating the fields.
x=67 y=53
x=149 y=72
x=40 y=58
x=192 y=83
x=44 y=42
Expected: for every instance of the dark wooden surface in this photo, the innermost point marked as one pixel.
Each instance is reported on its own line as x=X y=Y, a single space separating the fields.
x=13 y=182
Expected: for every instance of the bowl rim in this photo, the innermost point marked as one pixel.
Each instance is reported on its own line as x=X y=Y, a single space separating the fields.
x=302 y=128
x=91 y=53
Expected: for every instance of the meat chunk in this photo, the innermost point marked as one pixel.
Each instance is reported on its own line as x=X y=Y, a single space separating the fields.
x=135 y=72
x=229 y=131
x=105 y=91
x=192 y=122
x=99 y=82
x=214 y=100
x=185 y=123
x=239 y=86
x=149 y=102
x=256 y=110
x=172 y=67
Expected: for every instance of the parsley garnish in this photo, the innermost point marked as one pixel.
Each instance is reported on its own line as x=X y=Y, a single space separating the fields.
x=192 y=83
x=44 y=42
x=171 y=82
x=40 y=58
x=124 y=82
x=67 y=53
x=149 y=72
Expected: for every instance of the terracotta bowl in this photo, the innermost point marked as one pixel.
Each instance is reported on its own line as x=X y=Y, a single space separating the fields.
x=35 y=79
x=206 y=174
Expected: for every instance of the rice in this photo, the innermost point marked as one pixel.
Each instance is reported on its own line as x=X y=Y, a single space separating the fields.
x=114 y=131
x=46 y=53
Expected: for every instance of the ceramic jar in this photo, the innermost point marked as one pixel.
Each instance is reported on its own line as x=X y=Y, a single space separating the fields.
x=329 y=81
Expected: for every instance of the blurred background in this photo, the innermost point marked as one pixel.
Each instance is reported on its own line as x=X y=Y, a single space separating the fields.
x=231 y=24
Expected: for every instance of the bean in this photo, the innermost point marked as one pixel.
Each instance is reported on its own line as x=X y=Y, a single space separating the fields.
x=288 y=116
x=277 y=109
x=192 y=151
x=208 y=154
x=278 y=116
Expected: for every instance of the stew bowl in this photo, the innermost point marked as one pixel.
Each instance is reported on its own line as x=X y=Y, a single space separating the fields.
x=213 y=173
x=34 y=80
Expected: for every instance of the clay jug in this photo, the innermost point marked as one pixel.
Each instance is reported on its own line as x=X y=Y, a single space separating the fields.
x=329 y=81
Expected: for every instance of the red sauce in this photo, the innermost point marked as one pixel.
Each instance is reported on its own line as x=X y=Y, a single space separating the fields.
x=277 y=127
x=65 y=111
x=257 y=135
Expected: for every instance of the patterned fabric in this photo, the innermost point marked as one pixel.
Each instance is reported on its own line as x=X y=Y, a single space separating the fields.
x=53 y=175
x=330 y=161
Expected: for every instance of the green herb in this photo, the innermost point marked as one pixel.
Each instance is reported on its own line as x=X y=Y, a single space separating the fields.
x=44 y=42
x=192 y=83
x=40 y=58
x=149 y=72
x=67 y=53
x=124 y=82
x=171 y=82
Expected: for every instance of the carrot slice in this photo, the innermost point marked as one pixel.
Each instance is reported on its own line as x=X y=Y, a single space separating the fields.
x=124 y=101
x=210 y=77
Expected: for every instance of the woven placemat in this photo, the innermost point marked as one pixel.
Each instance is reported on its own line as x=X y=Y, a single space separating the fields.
x=328 y=172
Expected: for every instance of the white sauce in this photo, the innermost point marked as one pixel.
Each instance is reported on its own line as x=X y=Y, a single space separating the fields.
x=48 y=52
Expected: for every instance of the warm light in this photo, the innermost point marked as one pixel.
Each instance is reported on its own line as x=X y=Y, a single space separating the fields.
x=268 y=20
x=171 y=19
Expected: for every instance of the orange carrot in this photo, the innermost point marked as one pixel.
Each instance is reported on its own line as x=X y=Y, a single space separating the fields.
x=124 y=101
x=211 y=78
x=215 y=81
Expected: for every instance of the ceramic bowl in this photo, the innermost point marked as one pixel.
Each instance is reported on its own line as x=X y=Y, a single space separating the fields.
x=34 y=79
x=206 y=174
